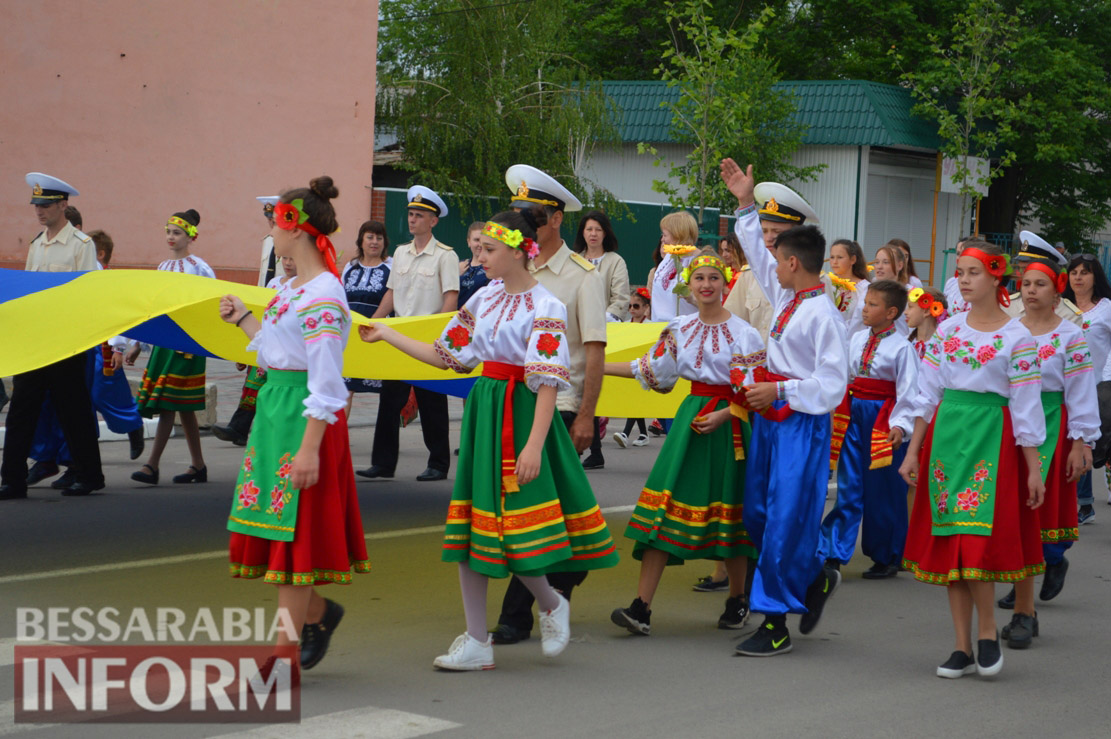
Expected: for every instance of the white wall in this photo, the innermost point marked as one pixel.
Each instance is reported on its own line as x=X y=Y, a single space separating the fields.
x=629 y=175
x=833 y=194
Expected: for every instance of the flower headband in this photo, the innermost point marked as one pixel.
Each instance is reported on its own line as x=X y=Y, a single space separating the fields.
x=184 y=225
x=706 y=260
x=928 y=303
x=1060 y=279
x=997 y=265
x=644 y=293
x=512 y=238
x=290 y=217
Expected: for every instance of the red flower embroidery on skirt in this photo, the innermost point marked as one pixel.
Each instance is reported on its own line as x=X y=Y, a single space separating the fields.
x=285 y=470
x=968 y=499
x=277 y=499
x=248 y=494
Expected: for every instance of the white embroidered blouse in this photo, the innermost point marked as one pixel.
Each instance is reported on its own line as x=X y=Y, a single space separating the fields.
x=888 y=356
x=305 y=327
x=1004 y=362
x=190 y=265
x=1066 y=365
x=1097 y=332
x=716 y=354
x=807 y=338
x=666 y=304
x=527 y=329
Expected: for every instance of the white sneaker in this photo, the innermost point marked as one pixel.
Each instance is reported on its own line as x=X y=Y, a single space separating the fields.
x=621 y=439
x=467 y=653
x=555 y=628
x=642 y=440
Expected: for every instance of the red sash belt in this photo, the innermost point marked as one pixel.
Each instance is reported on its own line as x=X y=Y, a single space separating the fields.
x=513 y=374
x=716 y=393
x=866 y=388
x=772 y=414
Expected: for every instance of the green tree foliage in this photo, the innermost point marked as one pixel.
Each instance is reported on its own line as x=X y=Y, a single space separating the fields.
x=471 y=87
x=1058 y=69
x=960 y=85
x=726 y=106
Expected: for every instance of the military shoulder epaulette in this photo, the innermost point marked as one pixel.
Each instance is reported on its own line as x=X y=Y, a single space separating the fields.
x=582 y=261
x=37 y=237
x=444 y=246
x=83 y=236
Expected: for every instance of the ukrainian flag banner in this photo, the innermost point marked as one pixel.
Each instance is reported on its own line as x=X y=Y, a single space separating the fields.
x=48 y=316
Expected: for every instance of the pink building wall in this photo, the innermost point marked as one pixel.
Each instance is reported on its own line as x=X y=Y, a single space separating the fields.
x=151 y=106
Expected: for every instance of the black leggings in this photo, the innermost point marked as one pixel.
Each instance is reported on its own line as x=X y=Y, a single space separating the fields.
x=639 y=422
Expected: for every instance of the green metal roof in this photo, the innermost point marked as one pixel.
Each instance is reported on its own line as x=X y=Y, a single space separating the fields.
x=836 y=112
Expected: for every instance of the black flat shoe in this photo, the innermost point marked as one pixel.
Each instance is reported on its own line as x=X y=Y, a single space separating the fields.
x=150 y=478
x=880 y=572
x=316 y=637
x=1054 y=580
x=506 y=634
x=192 y=475
x=40 y=471
x=82 y=488
x=66 y=480
x=227 y=433
x=1007 y=602
x=137 y=442
x=13 y=492
x=374 y=472
x=430 y=474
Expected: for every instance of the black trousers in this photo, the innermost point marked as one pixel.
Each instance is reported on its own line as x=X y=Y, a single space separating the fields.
x=433 y=423
x=516 y=606
x=67 y=385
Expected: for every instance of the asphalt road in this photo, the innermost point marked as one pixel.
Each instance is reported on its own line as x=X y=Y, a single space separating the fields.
x=867 y=670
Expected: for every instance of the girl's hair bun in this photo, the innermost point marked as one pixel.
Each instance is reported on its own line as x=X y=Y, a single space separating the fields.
x=324 y=187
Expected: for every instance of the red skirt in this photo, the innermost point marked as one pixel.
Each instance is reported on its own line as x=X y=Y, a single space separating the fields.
x=1011 y=553
x=328 y=539
x=1058 y=515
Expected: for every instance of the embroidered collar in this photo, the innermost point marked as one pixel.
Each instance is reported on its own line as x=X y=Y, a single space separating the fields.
x=870 y=348
x=810 y=292
x=885 y=333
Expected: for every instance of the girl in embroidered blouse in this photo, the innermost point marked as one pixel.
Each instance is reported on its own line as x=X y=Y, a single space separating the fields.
x=1089 y=289
x=974 y=522
x=847 y=265
x=926 y=308
x=691 y=506
x=295 y=518
x=521 y=503
x=1072 y=426
x=174 y=381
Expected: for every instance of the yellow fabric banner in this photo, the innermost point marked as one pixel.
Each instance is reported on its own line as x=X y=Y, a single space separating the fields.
x=46 y=325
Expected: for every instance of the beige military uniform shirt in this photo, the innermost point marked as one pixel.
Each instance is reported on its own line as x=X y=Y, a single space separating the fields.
x=420 y=279
x=1065 y=309
x=746 y=301
x=578 y=285
x=69 y=251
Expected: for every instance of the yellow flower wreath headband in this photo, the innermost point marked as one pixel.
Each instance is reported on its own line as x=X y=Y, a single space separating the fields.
x=512 y=238
x=706 y=260
x=184 y=225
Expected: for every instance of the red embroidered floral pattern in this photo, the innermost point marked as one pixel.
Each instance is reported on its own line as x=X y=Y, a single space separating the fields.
x=458 y=337
x=968 y=499
x=968 y=353
x=547 y=345
x=248 y=494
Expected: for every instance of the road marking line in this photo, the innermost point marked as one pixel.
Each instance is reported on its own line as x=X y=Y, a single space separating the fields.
x=199 y=556
x=368 y=723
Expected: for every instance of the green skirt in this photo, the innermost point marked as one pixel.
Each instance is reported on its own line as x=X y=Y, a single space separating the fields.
x=693 y=503
x=552 y=524
x=173 y=381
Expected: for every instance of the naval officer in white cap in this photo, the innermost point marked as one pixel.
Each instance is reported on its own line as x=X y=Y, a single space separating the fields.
x=542 y=200
x=59 y=248
x=1033 y=247
x=424 y=280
